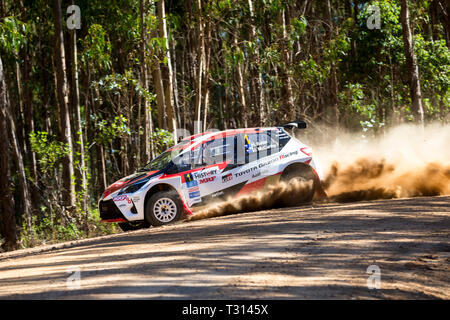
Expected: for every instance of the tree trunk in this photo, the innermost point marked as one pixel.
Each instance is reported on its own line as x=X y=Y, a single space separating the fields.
x=205 y=91
x=18 y=159
x=160 y=98
x=167 y=71
x=411 y=65
x=200 y=64
x=100 y=149
x=287 y=94
x=63 y=102
x=76 y=108
x=445 y=6
x=21 y=119
x=9 y=230
x=148 y=120
x=29 y=127
x=176 y=97
x=256 y=73
x=332 y=107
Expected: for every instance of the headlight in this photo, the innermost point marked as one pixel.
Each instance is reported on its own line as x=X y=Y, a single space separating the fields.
x=135 y=186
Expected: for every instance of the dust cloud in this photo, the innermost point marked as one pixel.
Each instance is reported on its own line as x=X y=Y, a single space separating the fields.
x=405 y=161
x=281 y=194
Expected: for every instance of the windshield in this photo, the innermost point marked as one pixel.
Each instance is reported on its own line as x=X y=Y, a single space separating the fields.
x=161 y=161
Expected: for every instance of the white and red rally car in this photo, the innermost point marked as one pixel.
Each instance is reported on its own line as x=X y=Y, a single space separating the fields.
x=206 y=167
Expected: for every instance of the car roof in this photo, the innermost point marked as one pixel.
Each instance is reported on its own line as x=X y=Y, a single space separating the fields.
x=193 y=141
x=210 y=135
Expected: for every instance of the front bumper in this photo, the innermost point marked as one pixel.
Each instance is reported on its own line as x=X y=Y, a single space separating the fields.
x=109 y=212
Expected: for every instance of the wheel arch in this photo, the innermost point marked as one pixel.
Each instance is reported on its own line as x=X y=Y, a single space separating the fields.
x=158 y=187
x=320 y=192
x=166 y=187
x=299 y=167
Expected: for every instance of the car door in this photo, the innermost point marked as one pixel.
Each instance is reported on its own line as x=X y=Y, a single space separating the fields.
x=216 y=154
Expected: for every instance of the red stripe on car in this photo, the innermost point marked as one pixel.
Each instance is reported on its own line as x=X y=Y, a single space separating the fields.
x=251 y=187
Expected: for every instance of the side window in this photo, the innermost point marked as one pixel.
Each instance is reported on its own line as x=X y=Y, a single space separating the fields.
x=196 y=157
x=281 y=137
x=219 y=150
x=241 y=149
x=180 y=163
x=187 y=161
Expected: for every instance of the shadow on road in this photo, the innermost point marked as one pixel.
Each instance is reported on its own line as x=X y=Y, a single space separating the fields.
x=320 y=251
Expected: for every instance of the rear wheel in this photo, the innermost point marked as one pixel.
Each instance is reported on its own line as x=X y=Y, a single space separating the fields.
x=162 y=208
x=304 y=183
x=130 y=226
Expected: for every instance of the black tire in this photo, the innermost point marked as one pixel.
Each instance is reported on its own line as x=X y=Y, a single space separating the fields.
x=131 y=226
x=302 y=173
x=163 y=207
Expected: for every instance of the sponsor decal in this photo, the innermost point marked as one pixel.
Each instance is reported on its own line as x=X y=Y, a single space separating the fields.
x=204 y=174
x=195 y=194
x=227 y=177
x=217 y=194
x=193 y=189
x=256 y=174
x=206 y=180
x=269 y=162
x=263 y=146
x=188 y=177
x=122 y=198
x=192 y=183
x=238 y=174
x=248 y=146
x=286 y=155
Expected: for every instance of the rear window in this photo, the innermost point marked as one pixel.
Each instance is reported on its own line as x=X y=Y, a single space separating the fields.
x=266 y=143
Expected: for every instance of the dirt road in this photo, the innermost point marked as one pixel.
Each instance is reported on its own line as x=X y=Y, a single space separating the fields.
x=320 y=251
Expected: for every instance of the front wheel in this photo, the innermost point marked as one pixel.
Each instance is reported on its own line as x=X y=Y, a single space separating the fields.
x=163 y=208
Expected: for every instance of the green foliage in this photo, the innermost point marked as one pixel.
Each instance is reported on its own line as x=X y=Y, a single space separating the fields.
x=119 y=84
x=96 y=52
x=48 y=149
x=53 y=229
x=13 y=35
x=433 y=58
x=162 y=139
x=109 y=130
x=367 y=66
x=299 y=26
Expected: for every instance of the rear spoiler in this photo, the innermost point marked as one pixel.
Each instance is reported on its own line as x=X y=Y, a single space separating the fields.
x=300 y=124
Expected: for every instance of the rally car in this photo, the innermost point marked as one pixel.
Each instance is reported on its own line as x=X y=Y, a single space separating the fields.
x=210 y=166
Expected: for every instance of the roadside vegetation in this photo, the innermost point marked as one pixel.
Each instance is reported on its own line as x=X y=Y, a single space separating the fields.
x=84 y=104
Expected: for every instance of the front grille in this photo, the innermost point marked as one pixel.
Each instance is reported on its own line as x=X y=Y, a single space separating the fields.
x=108 y=210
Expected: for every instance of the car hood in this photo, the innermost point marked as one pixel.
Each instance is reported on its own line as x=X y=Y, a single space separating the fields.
x=119 y=184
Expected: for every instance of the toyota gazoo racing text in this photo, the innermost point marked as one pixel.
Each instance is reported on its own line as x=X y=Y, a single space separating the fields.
x=210 y=166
